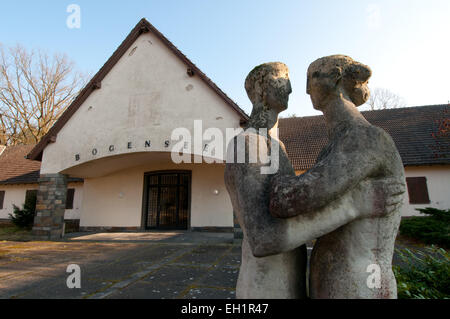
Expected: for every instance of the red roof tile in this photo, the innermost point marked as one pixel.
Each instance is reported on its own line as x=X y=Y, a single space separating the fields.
x=15 y=168
x=421 y=134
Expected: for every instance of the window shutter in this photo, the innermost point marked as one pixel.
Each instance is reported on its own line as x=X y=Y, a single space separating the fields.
x=69 y=198
x=2 y=198
x=417 y=190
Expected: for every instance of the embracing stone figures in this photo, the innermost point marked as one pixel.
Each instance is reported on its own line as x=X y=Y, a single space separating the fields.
x=349 y=201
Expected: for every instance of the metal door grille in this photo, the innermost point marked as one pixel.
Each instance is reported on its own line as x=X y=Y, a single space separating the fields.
x=167 y=200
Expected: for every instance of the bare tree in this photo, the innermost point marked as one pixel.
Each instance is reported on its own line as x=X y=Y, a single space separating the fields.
x=381 y=99
x=34 y=91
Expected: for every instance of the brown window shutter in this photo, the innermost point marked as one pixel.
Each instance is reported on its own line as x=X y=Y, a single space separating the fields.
x=2 y=198
x=417 y=190
x=69 y=198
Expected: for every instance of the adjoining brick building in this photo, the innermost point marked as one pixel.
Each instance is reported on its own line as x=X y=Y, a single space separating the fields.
x=107 y=161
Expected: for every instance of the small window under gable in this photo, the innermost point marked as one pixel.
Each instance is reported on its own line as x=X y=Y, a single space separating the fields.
x=417 y=190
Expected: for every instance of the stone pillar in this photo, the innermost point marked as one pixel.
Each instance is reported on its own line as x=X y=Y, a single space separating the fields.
x=50 y=206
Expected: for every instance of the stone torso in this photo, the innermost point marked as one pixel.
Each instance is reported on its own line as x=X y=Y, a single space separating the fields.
x=279 y=276
x=340 y=259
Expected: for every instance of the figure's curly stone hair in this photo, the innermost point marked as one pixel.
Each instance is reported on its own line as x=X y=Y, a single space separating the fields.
x=339 y=67
x=340 y=63
x=254 y=83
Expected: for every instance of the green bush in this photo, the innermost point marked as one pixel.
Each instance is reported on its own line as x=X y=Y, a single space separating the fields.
x=424 y=275
x=432 y=229
x=24 y=218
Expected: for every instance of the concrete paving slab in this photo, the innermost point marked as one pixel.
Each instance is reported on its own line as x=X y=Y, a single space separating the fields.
x=221 y=277
x=128 y=265
x=142 y=290
x=204 y=255
x=210 y=293
x=176 y=275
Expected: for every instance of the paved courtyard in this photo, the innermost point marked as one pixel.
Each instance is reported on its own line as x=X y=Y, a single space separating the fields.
x=125 y=265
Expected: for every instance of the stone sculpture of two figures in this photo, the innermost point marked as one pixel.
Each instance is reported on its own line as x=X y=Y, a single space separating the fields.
x=348 y=201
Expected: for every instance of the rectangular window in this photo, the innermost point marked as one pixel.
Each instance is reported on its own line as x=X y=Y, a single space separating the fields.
x=2 y=198
x=417 y=190
x=69 y=198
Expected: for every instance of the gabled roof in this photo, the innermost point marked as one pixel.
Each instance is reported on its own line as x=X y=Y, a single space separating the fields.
x=142 y=27
x=421 y=134
x=16 y=169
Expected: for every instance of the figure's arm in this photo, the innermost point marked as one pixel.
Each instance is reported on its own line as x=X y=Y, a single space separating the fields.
x=370 y=198
x=269 y=236
x=291 y=233
x=341 y=169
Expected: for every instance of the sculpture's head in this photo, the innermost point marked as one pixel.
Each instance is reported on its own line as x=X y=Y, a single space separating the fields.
x=268 y=84
x=331 y=76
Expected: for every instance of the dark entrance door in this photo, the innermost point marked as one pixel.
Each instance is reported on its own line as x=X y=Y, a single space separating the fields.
x=167 y=200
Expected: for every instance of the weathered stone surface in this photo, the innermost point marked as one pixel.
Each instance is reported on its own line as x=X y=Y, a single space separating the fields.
x=281 y=275
x=334 y=193
x=50 y=206
x=361 y=171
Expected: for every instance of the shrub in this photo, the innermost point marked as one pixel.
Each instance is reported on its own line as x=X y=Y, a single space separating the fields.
x=432 y=229
x=24 y=218
x=424 y=275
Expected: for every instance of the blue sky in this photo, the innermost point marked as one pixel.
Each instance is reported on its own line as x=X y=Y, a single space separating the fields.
x=405 y=42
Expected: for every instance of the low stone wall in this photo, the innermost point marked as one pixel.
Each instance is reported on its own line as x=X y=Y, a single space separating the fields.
x=109 y=229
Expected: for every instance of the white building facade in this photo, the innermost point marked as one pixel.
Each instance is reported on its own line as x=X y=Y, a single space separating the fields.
x=108 y=161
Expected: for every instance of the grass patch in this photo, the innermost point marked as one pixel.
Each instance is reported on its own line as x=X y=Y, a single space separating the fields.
x=14 y=233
